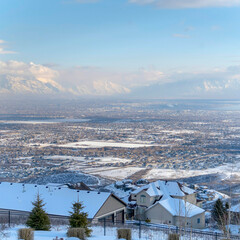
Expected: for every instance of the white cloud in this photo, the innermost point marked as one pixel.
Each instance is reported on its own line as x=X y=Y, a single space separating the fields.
x=97 y=81
x=27 y=77
x=3 y=49
x=188 y=3
x=100 y=82
x=21 y=69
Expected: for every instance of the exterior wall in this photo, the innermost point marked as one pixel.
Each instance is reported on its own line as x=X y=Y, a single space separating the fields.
x=158 y=214
x=191 y=198
x=111 y=206
x=199 y=204
x=139 y=213
x=191 y=222
x=149 y=200
x=183 y=222
x=194 y=220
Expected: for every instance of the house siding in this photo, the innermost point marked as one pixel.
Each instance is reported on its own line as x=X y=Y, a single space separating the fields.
x=158 y=214
x=149 y=200
x=111 y=206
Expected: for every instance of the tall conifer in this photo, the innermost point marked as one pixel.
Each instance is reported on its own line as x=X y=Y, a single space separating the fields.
x=38 y=218
x=78 y=218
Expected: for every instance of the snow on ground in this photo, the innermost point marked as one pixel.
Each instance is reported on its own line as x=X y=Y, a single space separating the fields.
x=96 y=144
x=89 y=159
x=45 y=121
x=117 y=173
x=183 y=131
x=97 y=234
x=100 y=144
x=111 y=232
x=234 y=229
x=226 y=170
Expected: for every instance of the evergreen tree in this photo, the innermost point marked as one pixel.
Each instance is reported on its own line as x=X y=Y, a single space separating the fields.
x=226 y=205
x=219 y=214
x=78 y=218
x=38 y=218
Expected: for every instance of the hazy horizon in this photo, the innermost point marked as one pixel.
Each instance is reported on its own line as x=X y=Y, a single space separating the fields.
x=128 y=49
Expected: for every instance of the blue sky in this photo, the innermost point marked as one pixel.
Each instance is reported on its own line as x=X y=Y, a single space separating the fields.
x=122 y=37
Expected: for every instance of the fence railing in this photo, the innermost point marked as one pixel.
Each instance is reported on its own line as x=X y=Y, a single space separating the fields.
x=140 y=229
x=149 y=231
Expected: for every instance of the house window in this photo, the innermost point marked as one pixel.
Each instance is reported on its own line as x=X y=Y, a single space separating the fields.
x=198 y=220
x=142 y=199
x=169 y=221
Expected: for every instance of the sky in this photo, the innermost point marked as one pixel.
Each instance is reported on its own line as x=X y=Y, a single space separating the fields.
x=108 y=47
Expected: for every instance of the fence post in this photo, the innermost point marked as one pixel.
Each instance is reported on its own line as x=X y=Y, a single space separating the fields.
x=9 y=218
x=104 y=226
x=216 y=235
x=140 y=229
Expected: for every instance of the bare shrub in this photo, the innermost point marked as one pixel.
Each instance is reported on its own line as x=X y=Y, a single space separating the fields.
x=26 y=234
x=77 y=232
x=124 y=233
x=173 y=236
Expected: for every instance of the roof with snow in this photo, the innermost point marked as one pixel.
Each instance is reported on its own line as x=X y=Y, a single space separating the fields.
x=160 y=188
x=235 y=208
x=19 y=196
x=178 y=207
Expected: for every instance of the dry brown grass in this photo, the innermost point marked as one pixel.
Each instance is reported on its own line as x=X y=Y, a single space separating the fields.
x=26 y=234
x=124 y=233
x=77 y=232
x=173 y=236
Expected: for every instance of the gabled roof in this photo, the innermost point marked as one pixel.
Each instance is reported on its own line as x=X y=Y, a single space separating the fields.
x=235 y=208
x=18 y=196
x=160 y=188
x=178 y=207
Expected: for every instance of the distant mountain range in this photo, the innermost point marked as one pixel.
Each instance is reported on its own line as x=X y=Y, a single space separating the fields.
x=18 y=85
x=23 y=85
x=31 y=85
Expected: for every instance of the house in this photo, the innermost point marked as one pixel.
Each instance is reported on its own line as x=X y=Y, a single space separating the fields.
x=176 y=212
x=235 y=214
x=174 y=189
x=99 y=205
x=168 y=202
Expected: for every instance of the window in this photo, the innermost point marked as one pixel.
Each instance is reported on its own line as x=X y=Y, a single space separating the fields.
x=198 y=220
x=142 y=199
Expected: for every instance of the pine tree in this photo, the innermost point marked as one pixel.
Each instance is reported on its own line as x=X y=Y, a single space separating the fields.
x=219 y=214
x=78 y=218
x=38 y=218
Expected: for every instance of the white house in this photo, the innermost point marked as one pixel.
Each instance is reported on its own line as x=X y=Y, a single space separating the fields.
x=59 y=200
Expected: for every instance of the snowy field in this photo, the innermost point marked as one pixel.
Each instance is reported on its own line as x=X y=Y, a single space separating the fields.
x=89 y=159
x=115 y=173
x=111 y=233
x=96 y=144
x=45 y=121
x=226 y=171
x=97 y=234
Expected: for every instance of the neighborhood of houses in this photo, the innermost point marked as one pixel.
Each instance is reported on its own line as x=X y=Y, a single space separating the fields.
x=159 y=202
